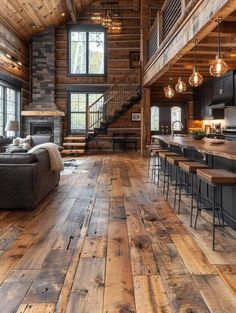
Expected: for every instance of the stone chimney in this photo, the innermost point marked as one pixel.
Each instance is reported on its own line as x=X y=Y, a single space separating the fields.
x=43 y=71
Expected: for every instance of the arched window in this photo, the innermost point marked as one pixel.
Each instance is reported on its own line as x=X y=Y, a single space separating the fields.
x=154 y=118
x=176 y=116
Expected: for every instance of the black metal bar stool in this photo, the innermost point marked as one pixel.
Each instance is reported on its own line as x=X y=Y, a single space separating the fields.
x=152 y=156
x=190 y=168
x=216 y=178
x=163 y=166
x=173 y=163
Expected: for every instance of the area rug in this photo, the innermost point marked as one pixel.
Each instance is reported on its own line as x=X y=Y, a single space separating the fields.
x=70 y=167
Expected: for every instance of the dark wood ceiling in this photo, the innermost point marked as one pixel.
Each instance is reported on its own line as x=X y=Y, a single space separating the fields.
x=27 y=17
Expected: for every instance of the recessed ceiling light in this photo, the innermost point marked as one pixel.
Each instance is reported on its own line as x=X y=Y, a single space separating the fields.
x=63 y=14
x=8 y=56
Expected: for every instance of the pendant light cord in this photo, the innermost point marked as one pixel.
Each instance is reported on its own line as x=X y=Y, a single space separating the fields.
x=219 y=20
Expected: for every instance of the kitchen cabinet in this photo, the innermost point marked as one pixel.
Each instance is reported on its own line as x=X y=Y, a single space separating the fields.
x=223 y=89
x=202 y=99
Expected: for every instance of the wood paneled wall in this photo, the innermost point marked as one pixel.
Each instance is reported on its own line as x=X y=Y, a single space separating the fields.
x=16 y=47
x=119 y=45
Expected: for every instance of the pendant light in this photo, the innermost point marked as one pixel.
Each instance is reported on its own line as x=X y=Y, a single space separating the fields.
x=196 y=78
x=180 y=86
x=218 y=67
x=169 y=91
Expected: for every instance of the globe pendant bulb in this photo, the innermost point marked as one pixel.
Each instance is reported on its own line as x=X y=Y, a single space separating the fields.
x=169 y=92
x=180 y=86
x=218 y=67
x=196 y=78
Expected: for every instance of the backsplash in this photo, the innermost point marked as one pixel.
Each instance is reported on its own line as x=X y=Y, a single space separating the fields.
x=230 y=116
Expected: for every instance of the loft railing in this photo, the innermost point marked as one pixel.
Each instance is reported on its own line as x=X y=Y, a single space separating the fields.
x=113 y=99
x=171 y=11
x=170 y=14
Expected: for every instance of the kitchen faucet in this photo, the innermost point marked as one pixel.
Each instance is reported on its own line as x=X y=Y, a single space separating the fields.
x=172 y=127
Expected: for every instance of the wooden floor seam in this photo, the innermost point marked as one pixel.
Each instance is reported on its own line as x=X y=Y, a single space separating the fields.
x=106 y=241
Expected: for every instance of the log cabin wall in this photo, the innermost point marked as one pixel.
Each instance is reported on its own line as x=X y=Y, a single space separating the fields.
x=119 y=46
x=16 y=47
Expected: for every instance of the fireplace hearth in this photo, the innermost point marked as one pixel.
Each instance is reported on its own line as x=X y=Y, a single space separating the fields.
x=42 y=128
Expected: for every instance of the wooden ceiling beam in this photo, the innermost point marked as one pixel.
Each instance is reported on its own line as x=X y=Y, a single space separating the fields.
x=182 y=40
x=72 y=8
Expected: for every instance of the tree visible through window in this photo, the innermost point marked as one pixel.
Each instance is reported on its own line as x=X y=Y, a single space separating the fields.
x=176 y=116
x=87 y=51
x=154 y=118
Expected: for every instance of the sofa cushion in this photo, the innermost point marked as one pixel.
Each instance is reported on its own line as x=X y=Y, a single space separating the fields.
x=18 y=158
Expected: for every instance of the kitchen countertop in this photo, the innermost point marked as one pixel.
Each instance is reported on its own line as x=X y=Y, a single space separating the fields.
x=226 y=150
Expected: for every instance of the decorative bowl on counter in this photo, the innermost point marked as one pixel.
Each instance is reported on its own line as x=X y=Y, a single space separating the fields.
x=198 y=135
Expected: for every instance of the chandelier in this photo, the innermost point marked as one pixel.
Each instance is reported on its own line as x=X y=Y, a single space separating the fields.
x=108 y=17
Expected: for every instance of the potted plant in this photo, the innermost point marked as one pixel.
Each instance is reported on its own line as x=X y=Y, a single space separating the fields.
x=198 y=134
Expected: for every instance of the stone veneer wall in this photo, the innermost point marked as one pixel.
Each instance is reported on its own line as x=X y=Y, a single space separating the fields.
x=43 y=71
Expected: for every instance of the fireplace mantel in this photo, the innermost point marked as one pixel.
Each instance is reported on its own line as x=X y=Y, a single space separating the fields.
x=42 y=113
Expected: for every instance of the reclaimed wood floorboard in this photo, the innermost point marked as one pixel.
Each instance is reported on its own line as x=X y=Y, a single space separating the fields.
x=106 y=241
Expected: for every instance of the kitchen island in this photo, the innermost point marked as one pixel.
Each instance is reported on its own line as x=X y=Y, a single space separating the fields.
x=222 y=156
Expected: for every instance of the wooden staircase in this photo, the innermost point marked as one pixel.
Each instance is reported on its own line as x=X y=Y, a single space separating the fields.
x=74 y=145
x=118 y=99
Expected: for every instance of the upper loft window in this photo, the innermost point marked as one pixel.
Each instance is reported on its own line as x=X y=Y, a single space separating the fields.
x=86 y=50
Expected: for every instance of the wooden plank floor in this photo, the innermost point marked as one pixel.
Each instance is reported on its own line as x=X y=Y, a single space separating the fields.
x=105 y=241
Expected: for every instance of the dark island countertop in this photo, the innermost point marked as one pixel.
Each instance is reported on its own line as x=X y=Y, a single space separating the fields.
x=225 y=150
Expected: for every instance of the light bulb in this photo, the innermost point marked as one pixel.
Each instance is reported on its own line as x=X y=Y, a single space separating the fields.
x=196 y=78
x=180 y=86
x=169 y=91
x=218 y=67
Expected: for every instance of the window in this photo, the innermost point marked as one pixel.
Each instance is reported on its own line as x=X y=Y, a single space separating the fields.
x=9 y=106
x=78 y=107
x=154 y=118
x=176 y=116
x=87 y=51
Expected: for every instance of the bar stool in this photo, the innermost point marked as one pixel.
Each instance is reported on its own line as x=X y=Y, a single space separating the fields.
x=163 y=166
x=152 y=156
x=173 y=162
x=216 y=178
x=190 y=168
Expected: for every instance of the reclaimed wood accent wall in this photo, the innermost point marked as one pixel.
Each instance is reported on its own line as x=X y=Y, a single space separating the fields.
x=17 y=48
x=119 y=46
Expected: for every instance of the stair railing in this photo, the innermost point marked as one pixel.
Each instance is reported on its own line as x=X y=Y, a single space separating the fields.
x=113 y=99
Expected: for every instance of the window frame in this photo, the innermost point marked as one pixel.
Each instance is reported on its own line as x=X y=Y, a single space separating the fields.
x=87 y=29
x=180 y=112
x=86 y=92
x=157 y=107
x=17 y=105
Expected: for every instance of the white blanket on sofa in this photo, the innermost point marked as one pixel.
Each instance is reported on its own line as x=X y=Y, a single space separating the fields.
x=54 y=155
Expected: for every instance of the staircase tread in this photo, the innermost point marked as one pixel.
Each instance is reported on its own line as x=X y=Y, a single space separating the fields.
x=70 y=151
x=74 y=144
x=75 y=138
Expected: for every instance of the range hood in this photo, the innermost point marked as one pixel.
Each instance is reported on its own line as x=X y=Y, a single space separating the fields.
x=223 y=91
x=223 y=103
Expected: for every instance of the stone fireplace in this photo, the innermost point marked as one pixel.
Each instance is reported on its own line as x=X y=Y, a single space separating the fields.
x=42 y=115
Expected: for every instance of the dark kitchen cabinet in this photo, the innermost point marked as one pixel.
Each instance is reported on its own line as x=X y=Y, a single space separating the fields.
x=223 y=89
x=202 y=97
x=202 y=100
